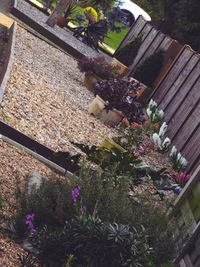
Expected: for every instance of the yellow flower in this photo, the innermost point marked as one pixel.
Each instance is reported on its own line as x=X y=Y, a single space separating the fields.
x=91 y=14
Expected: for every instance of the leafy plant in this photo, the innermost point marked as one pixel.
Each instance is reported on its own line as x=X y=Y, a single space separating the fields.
x=51 y=204
x=121 y=93
x=122 y=161
x=158 y=227
x=97 y=65
x=93 y=243
x=127 y=54
x=27 y=260
x=93 y=33
x=148 y=71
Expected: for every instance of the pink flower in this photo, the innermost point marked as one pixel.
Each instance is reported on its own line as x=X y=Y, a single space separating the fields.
x=125 y=121
x=136 y=125
x=183 y=177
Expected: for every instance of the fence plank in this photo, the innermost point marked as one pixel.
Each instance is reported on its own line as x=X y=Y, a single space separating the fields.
x=171 y=77
x=154 y=45
x=186 y=132
x=136 y=29
x=189 y=103
x=180 y=87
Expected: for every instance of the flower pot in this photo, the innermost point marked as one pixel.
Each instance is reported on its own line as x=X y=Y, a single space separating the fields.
x=110 y=143
x=90 y=80
x=121 y=68
x=96 y=106
x=111 y=117
x=62 y=22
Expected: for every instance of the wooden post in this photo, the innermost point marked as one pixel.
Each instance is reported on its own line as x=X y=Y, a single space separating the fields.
x=57 y=12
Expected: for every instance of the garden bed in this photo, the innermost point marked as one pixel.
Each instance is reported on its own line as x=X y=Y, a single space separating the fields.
x=51 y=103
x=61 y=37
x=14 y=163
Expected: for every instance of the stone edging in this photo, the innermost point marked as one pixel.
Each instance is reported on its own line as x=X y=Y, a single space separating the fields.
x=5 y=75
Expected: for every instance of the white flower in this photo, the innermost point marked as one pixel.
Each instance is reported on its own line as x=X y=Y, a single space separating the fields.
x=179 y=156
x=161 y=114
x=157 y=140
x=163 y=129
x=149 y=112
x=173 y=151
x=152 y=104
x=183 y=162
x=166 y=143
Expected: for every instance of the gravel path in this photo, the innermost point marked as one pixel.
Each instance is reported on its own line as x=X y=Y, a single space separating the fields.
x=45 y=97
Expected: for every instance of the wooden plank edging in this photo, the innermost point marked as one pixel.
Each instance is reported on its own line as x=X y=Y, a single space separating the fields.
x=8 y=60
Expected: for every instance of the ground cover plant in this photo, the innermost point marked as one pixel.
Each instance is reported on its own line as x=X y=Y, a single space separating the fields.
x=91 y=219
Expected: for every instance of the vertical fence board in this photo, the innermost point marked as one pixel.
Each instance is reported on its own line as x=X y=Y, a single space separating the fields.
x=186 y=132
x=172 y=75
x=136 y=29
x=189 y=103
x=180 y=87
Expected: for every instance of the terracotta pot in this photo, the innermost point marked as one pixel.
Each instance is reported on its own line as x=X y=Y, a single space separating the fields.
x=62 y=22
x=90 y=80
x=96 y=106
x=121 y=68
x=111 y=117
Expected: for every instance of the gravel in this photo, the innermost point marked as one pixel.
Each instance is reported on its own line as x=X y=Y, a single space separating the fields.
x=45 y=97
x=15 y=166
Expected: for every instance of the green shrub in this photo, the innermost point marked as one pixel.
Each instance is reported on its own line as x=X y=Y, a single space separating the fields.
x=148 y=71
x=127 y=54
x=51 y=205
x=106 y=195
x=93 y=243
x=94 y=218
x=158 y=228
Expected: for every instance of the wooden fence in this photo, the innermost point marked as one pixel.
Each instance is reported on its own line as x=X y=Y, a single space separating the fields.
x=152 y=41
x=178 y=94
x=186 y=214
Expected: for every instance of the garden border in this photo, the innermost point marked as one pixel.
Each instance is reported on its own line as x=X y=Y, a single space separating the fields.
x=41 y=152
x=5 y=75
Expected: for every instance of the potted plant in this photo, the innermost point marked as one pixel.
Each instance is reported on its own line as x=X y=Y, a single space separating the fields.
x=96 y=69
x=120 y=98
x=124 y=56
x=93 y=33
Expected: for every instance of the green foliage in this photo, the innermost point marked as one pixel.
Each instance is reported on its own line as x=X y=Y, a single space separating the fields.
x=27 y=260
x=93 y=33
x=122 y=162
x=127 y=54
x=187 y=24
x=93 y=243
x=105 y=194
x=155 y=8
x=148 y=71
x=181 y=17
x=159 y=231
x=51 y=203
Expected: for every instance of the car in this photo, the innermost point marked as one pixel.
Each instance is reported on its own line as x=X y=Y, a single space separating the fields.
x=132 y=11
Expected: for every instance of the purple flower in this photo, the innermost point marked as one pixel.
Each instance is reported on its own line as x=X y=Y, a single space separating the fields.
x=29 y=222
x=177 y=190
x=82 y=210
x=75 y=192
